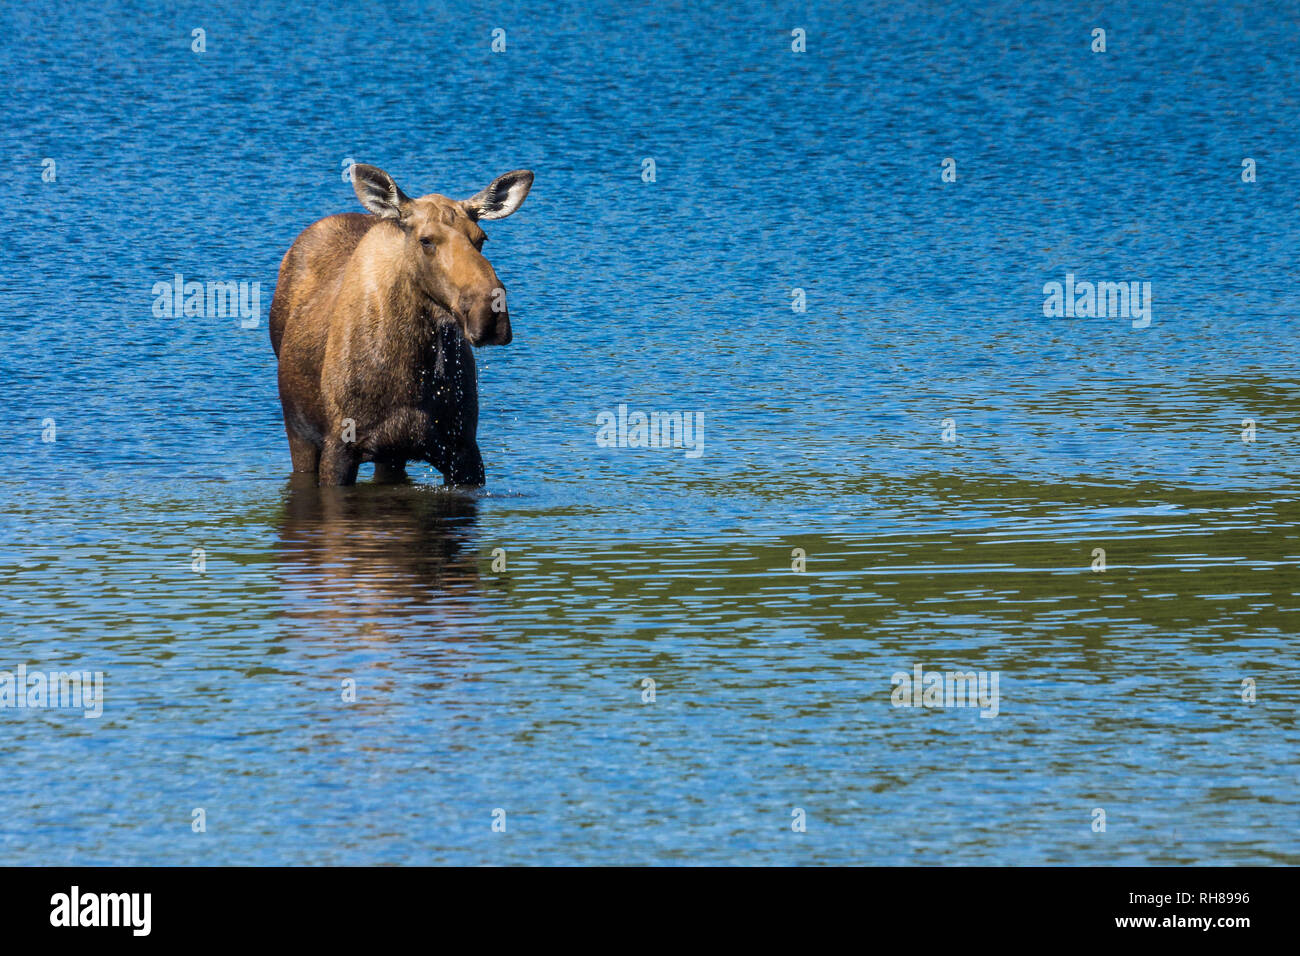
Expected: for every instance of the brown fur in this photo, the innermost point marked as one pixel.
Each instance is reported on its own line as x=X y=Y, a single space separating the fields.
x=373 y=321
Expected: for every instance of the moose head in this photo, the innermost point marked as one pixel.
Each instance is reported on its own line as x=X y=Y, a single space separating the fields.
x=444 y=246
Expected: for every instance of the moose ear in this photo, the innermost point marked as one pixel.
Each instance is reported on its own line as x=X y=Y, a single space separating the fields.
x=505 y=194
x=377 y=191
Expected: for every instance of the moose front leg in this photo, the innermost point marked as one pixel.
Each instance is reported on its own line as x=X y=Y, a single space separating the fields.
x=464 y=465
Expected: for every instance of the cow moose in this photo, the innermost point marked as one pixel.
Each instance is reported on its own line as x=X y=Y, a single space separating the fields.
x=374 y=320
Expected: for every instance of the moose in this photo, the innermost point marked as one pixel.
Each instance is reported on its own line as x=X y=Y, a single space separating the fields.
x=373 y=322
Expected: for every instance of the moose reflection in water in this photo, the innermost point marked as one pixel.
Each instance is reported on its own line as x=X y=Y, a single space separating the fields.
x=364 y=553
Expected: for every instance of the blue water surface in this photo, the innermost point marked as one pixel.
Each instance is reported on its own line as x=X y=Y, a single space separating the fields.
x=943 y=458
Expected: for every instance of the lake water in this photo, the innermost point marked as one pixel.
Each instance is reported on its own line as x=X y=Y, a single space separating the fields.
x=479 y=689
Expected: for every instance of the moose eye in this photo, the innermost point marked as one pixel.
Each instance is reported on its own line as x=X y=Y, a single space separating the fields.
x=426 y=241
